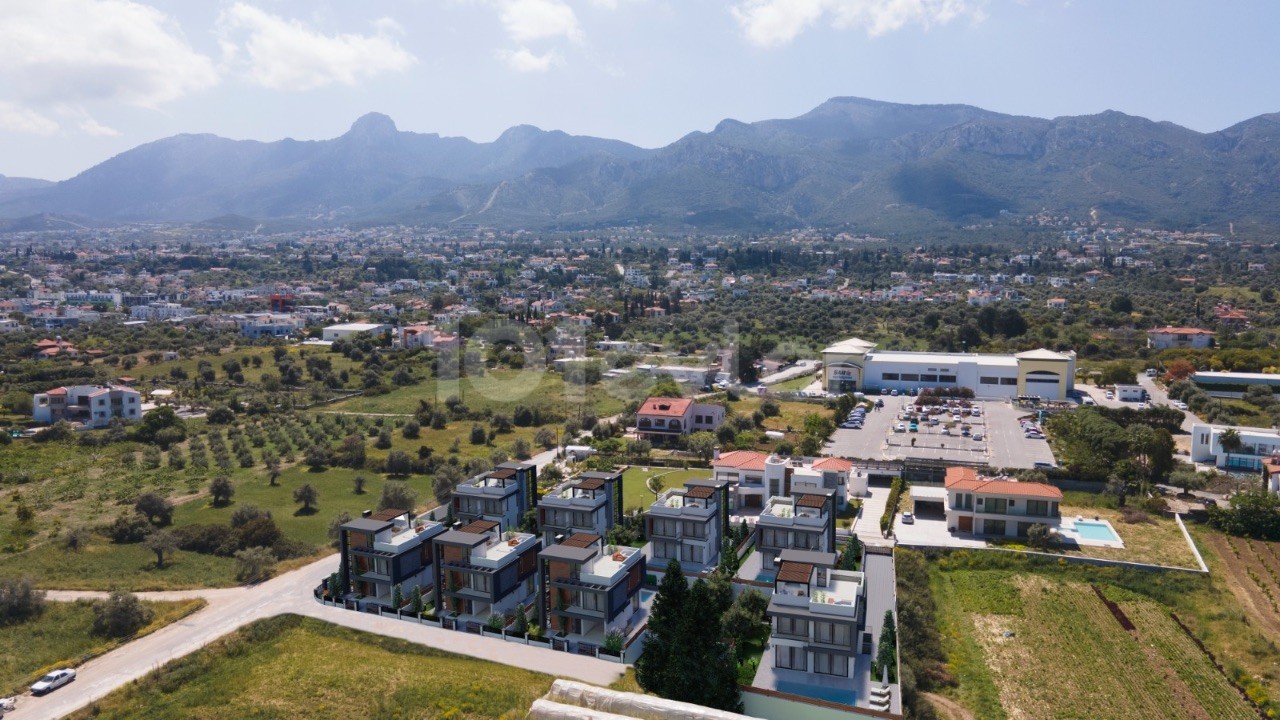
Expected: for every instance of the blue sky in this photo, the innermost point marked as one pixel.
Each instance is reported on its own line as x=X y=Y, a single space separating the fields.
x=82 y=80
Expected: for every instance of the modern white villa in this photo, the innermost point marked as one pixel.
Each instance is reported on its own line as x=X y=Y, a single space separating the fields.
x=1256 y=445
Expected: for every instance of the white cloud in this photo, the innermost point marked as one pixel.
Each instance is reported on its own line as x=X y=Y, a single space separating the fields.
x=92 y=127
x=777 y=22
x=15 y=118
x=525 y=60
x=283 y=54
x=527 y=20
x=77 y=51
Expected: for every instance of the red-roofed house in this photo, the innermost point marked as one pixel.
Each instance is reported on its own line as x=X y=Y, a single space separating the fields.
x=1178 y=337
x=93 y=405
x=661 y=419
x=995 y=506
x=754 y=477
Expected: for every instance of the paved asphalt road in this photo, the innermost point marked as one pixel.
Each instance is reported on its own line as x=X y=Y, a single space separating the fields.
x=231 y=608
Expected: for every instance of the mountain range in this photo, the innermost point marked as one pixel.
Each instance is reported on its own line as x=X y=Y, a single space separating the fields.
x=848 y=162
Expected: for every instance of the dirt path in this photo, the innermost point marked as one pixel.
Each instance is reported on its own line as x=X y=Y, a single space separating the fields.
x=947 y=708
x=1251 y=598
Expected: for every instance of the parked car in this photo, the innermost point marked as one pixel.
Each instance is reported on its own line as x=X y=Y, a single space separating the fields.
x=53 y=681
x=900 y=427
x=1042 y=465
x=913 y=427
x=978 y=436
x=1110 y=395
x=908 y=518
x=1034 y=435
x=1179 y=404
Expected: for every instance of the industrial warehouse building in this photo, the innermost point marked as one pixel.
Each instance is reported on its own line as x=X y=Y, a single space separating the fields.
x=855 y=365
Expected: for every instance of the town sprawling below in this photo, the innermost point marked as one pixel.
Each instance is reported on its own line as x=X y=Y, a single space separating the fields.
x=1025 y=465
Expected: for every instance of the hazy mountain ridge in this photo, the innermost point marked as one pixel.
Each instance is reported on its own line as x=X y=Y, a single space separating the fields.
x=848 y=161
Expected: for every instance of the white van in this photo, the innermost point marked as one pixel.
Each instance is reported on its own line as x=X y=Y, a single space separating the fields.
x=1087 y=400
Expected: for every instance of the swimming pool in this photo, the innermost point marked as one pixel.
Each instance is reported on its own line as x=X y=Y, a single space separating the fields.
x=1091 y=530
x=646 y=595
x=819 y=692
x=766 y=577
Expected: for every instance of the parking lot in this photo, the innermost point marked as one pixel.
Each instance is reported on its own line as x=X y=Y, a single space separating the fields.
x=1003 y=443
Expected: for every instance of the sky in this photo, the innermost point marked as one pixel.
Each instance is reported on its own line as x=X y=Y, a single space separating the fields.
x=83 y=80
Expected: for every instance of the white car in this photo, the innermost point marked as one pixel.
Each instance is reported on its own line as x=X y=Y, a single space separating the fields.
x=1180 y=405
x=53 y=681
x=1110 y=395
x=900 y=427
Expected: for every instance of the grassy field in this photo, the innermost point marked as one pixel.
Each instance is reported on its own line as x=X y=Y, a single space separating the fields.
x=1033 y=639
x=291 y=667
x=62 y=636
x=635 y=493
x=1158 y=541
x=498 y=390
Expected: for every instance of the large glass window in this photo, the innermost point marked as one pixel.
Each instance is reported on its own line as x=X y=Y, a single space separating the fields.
x=830 y=664
x=791 y=658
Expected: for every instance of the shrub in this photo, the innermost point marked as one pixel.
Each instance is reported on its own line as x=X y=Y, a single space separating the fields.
x=242 y=515
x=131 y=527
x=19 y=600
x=258 y=532
x=206 y=539
x=120 y=615
x=397 y=495
x=254 y=564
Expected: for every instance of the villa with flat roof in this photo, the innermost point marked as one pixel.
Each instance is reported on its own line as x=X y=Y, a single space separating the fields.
x=855 y=365
x=501 y=495
x=816 y=612
x=482 y=571
x=804 y=521
x=386 y=549
x=1257 y=445
x=589 y=588
x=590 y=502
x=689 y=524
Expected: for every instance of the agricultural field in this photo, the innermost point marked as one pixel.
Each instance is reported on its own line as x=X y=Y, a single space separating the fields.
x=290 y=667
x=1026 y=639
x=499 y=390
x=62 y=636
x=54 y=488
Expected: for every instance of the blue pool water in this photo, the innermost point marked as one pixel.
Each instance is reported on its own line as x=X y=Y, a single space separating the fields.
x=765 y=576
x=835 y=695
x=1095 y=531
x=645 y=595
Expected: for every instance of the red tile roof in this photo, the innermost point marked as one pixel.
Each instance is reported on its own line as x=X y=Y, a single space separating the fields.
x=741 y=460
x=831 y=463
x=967 y=479
x=1181 y=331
x=665 y=407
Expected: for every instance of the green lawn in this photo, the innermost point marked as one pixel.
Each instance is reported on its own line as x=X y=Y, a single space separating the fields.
x=62 y=636
x=292 y=667
x=636 y=494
